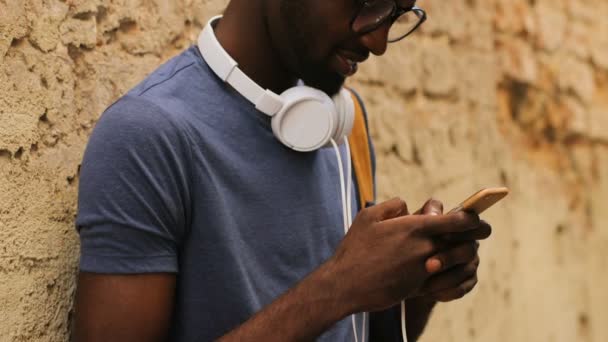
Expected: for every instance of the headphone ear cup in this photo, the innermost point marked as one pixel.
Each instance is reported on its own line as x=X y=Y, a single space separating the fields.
x=307 y=120
x=345 y=111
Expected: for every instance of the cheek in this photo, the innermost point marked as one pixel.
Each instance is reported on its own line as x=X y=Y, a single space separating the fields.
x=329 y=26
x=324 y=43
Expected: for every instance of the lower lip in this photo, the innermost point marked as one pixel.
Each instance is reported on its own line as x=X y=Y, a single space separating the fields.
x=344 y=67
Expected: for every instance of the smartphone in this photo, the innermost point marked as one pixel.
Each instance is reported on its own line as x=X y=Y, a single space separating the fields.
x=482 y=200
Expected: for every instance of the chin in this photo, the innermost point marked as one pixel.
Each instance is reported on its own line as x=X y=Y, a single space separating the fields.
x=329 y=83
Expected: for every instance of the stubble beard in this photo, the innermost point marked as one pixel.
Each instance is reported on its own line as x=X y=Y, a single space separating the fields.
x=313 y=72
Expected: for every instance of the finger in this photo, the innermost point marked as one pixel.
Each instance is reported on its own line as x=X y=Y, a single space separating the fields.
x=392 y=208
x=450 y=279
x=434 y=225
x=456 y=292
x=431 y=207
x=458 y=255
x=482 y=232
x=460 y=222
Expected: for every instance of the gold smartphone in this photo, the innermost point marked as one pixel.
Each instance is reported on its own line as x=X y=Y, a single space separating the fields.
x=482 y=200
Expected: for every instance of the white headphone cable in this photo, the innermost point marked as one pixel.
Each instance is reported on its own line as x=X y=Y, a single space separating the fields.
x=342 y=192
x=349 y=172
x=345 y=217
x=349 y=180
x=403 y=330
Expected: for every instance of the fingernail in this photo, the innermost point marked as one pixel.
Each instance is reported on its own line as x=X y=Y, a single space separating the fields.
x=433 y=265
x=433 y=211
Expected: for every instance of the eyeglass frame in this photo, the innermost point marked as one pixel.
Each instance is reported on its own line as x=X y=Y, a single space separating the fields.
x=396 y=12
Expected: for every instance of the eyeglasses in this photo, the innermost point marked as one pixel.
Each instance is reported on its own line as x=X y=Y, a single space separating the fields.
x=374 y=13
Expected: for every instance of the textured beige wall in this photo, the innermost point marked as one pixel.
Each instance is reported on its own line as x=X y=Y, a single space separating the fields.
x=490 y=92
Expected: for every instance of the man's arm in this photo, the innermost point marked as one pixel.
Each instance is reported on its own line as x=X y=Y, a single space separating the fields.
x=133 y=209
x=363 y=275
x=138 y=308
x=319 y=301
x=123 y=307
x=301 y=314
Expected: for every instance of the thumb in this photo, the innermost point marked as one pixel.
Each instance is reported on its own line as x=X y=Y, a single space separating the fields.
x=387 y=210
x=432 y=207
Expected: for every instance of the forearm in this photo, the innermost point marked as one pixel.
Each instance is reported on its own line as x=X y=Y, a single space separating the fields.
x=302 y=314
x=417 y=310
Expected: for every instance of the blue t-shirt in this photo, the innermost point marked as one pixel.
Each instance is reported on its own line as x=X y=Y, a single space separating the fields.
x=183 y=175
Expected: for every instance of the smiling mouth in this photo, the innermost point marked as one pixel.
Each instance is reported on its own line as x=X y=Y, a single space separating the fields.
x=347 y=67
x=347 y=63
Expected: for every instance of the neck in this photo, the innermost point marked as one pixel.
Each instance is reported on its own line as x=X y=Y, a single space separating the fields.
x=250 y=45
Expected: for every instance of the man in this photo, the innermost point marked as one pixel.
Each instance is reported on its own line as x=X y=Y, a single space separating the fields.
x=197 y=224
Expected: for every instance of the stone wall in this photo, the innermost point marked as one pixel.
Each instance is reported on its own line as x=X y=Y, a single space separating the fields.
x=488 y=93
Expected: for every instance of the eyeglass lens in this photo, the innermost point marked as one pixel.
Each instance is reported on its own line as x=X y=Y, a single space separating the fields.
x=375 y=13
x=372 y=14
x=404 y=25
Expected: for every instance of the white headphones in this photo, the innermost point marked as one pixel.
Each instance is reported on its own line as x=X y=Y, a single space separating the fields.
x=303 y=118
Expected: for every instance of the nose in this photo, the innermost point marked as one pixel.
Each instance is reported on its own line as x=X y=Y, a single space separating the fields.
x=377 y=40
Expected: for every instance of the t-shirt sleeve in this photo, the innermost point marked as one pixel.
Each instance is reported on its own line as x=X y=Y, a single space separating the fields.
x=133 y=198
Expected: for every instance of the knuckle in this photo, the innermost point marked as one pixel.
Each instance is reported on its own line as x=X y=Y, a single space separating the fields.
x=475 y=218
x=401 y=201
x=460 y=215
x=461 y=291
x=365 y=215
x=392 y=208
x=416 y=226
x=469 y=218
x=484 y=228
x=441 y=244
x=470 y=270
x=472 y=250
x=442 y=298
x=402 y=205
x=436 y=203
x=488 y=230
x=463 y=218
x=428 y=246
x=472 y=285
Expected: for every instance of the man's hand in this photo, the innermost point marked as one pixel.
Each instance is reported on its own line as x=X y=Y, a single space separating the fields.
x=114 y=307
x=454 y=268
x=379 y=262
x=382 y=259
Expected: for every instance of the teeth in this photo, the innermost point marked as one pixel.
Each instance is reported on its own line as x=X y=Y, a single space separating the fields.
x=352 y=64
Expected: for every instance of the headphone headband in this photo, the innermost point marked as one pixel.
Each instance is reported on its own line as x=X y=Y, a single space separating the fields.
x=303 y=118
x=226 y=68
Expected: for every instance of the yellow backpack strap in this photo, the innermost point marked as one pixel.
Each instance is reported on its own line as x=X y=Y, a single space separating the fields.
x=361 y=155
